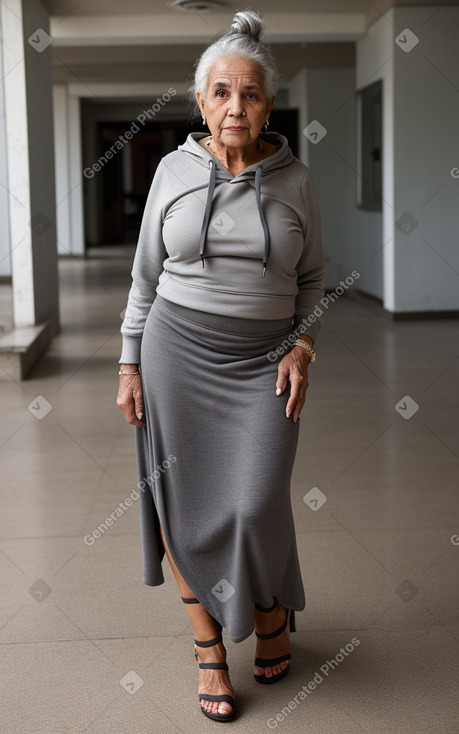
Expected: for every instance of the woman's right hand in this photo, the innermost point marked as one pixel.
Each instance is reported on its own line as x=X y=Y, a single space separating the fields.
x=130 y=396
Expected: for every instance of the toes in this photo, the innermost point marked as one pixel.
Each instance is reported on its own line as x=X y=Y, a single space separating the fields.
x=271 y=671
x=280 y=667
x=215 y=707
x=224 y=708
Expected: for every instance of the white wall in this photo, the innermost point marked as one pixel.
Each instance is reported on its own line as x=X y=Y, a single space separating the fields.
x=374 y=237
x=330 y=100
x=426 y=134
x=68 y=171
x=420 y=132
x=352 y=238
x=62 y=169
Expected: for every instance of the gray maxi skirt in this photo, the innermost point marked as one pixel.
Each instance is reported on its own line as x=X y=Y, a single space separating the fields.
x=215 y=462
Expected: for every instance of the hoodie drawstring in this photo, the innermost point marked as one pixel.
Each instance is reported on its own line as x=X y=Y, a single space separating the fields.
x=206 y=218
x=258 y=175
x=208 y=209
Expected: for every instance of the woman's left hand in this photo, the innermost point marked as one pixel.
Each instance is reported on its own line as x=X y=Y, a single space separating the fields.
x=293 y=368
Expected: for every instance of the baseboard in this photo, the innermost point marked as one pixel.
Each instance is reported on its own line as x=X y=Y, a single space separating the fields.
x=376 y=304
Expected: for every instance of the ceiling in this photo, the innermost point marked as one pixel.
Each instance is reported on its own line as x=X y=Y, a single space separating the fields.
x=146 y=41
x=370 y=9
x=136 y=64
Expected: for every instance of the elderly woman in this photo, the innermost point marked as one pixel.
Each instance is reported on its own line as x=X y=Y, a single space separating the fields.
x=229 y=266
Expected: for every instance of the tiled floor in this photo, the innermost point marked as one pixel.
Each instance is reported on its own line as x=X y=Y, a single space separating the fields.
x=380 y=557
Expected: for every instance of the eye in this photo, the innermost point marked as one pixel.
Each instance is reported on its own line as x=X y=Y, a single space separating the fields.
x=221 y=94
x=251 y=95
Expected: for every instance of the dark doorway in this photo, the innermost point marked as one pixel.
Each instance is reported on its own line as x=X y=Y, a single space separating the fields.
x=369 y=147
x=285 y=122
x=125 y=178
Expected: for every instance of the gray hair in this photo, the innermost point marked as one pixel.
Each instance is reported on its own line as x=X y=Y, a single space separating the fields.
x=242 y=40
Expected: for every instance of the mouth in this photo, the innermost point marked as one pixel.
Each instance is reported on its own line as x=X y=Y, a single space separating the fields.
x=236 y=128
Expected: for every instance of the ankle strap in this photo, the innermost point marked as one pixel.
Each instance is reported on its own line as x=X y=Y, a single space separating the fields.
x=213 y=666
x=209 y=643
x=266 y=609
x=190 y=600
x=273 y=634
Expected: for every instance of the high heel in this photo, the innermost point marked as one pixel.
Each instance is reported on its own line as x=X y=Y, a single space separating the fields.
x=208 y=697
x=262 y=662
x=212 y=666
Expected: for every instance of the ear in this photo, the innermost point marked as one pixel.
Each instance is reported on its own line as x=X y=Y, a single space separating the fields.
x=200 y=101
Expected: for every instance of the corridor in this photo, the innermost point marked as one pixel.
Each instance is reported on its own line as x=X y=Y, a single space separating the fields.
x=87 y=647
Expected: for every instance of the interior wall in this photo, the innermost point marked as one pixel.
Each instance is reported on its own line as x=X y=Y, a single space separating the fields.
x=62 y=174
x=374 y=230
x=426 y=104
x=353 y=238
x=330 y=101
x=414 y=51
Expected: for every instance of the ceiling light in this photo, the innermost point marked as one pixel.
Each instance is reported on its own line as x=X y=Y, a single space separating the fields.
x=198 y=6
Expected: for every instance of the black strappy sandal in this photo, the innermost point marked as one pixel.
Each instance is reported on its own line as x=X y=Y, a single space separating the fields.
x=212 y=666
x=261 y=662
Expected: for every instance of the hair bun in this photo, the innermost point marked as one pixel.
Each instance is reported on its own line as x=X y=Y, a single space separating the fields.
x=249 y=23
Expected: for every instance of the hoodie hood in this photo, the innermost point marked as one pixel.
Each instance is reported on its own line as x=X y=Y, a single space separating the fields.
x=280 y=158
x=217 y=172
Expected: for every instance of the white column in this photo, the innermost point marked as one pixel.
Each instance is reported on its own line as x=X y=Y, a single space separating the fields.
x=5 y=258
x=61 y=152
x=17 y=158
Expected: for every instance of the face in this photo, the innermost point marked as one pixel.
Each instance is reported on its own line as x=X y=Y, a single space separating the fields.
x=235 y=106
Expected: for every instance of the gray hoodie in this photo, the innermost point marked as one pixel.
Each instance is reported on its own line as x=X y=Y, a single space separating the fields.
x=248 y=246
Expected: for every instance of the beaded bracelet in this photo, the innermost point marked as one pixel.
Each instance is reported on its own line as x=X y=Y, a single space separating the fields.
x=307 y=347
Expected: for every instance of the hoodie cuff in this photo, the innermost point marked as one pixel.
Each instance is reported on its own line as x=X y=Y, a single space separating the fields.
x=309 y=326
x=130 y=353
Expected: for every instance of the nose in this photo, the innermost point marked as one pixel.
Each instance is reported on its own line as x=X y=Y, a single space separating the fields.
x=235 y=107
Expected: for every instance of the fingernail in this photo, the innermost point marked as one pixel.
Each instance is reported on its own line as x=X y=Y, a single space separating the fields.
x=278 y=391
x=139 y=416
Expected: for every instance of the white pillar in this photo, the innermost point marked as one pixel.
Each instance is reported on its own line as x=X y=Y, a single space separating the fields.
x=17 y=159
x=5 y=258
x=62 y=172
